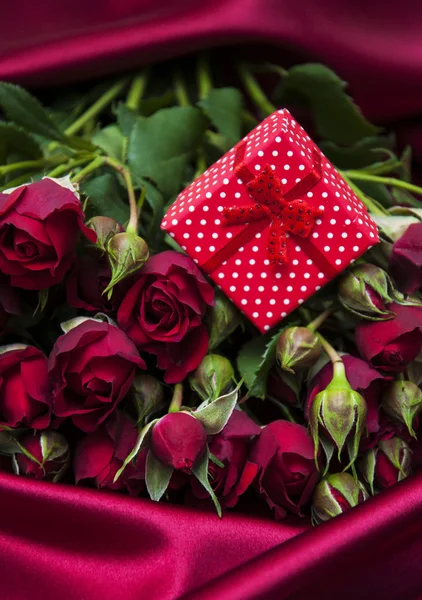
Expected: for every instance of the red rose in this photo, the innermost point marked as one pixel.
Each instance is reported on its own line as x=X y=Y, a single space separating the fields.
x=363 y=379
x=39 y=228
x=406 y=259
x=231 y=447
x=163 y=313
x=99 y=455
x=51 y=453
x=392 y=345
x=91 y=368
x=87 y=281
x=25 y=396
x=287 y=475
x=178 y=440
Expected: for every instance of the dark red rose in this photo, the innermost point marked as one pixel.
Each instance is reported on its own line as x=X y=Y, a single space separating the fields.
x=392 y=345
x=86 y=282
x=406 y=259
x=91 y=368
x=99 y=455
x=231 y=447
x=280 y=385
x=287 y=475
x=178 y=440
x=39 y=227
x=163 y=313
x=363 y=379
x=25 y=395
x=50 y=456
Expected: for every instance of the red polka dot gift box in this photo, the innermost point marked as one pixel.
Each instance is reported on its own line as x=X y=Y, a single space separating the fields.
x=272 y=221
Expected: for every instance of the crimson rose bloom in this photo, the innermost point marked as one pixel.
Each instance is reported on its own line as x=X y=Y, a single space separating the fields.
x=392 y=345
x=91 y=368
x=406 y=259
x=365 y=380
x=87 y=281
x=231 y=447
x=287 y=475
x=163 y=313
x=39 y=228
x=99 y=455
x=25 y=396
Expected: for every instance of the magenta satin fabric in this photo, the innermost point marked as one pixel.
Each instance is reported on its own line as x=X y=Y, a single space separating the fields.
x=376 y=45
x=61 y=542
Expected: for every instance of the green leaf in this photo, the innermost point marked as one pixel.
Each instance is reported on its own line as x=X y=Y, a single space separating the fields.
x=157 y=477
x=16 y=140
x=148 y=106
x=200 y=470
x=359 y=155
x=377 y=191
x=53 y=446
x=215 y=415
x=110 y=139
x=224 y=108
x=126 y=118
x=105 y=197
x=336 y=116
x=25 y=110
x=254 y=362
x=161 y=146
x=141 y=442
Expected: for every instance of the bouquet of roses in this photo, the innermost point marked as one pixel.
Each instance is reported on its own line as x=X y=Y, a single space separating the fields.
x=196 y=306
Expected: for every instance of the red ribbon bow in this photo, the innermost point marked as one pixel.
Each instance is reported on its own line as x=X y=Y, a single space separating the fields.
x=284 y=212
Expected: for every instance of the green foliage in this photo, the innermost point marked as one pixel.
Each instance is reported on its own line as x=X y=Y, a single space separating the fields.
x=224 y=108
x=254 y=362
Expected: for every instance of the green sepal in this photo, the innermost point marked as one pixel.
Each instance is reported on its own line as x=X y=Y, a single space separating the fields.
x=157 y=477
x=200 y=470
x=215 y=415
x=141 y=442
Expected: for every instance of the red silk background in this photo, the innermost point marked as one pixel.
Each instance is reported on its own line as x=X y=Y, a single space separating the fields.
x=57 y=541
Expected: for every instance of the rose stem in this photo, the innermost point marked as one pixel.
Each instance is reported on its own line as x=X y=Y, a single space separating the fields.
x=255 y=91
x=132 y=226
x=31 y=164
x=97 y=107
x=63 y=169
x=95 y=164
x=15 y=182
x=286 y=412
x=392 y=181
x=334 y=356
x=177 y=399
x=371 y=205
x=137 y=89
x=180 y=89
x=204 y=76
x=313 y=325
x=386 y=167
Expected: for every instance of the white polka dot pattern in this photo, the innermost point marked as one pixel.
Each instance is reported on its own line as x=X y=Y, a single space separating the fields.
x=263 y=292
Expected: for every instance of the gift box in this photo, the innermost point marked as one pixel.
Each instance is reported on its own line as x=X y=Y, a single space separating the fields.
x=272 y=221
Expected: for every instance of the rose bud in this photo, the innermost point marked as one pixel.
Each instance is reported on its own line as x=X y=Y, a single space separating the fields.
x=391 y=345
x=92 y=368
x=148 y=395
x=163 y=313
x=87 y=280
x=213 y=378
x=287 y=475
x=39 y=227
x=402 y=402
x=364 y=290
x=335 y=494
x=99 y=455
x=127 y=253
x=25 y=392
x=222 y=319
x=44 y=455
x=406 y=260
x=365 y=380
x=105 y=228
x=298 y=348
x=341 y=413
x=178 y=440
x=230 y=447
x=387 y=464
